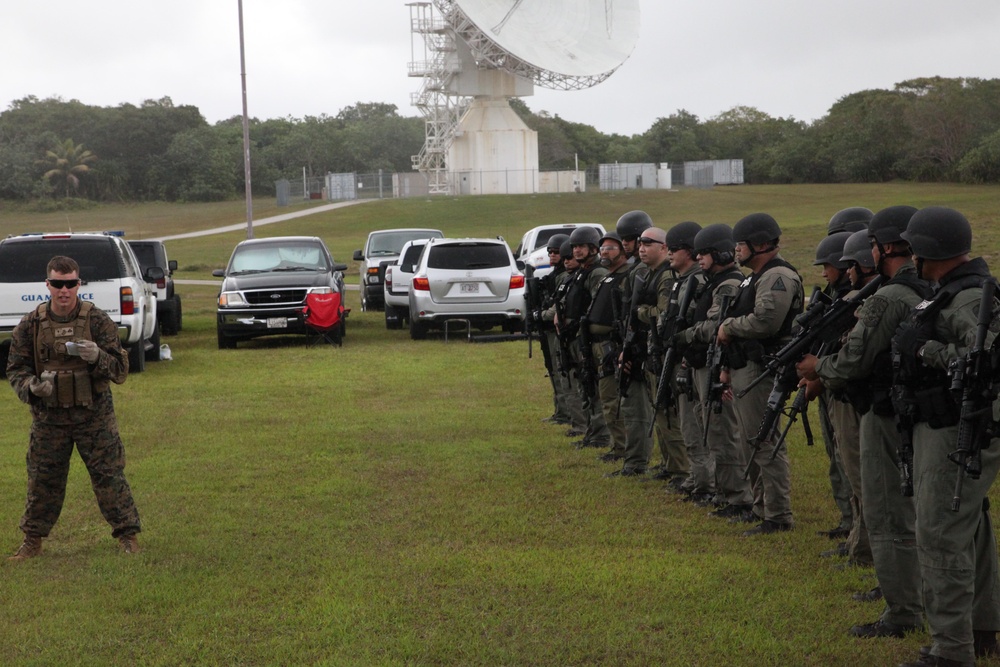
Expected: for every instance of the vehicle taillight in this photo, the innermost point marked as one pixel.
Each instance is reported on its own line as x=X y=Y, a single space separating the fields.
x=422 y=284
x=516 y=281
x=388 y=278
x=128 y=303
x=161 y=284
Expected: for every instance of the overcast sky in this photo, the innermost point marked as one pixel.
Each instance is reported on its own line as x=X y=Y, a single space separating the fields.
x=788 y=58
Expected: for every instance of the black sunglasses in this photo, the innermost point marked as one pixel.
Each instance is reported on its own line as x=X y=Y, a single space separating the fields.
x=648 y=241
x=59 y=284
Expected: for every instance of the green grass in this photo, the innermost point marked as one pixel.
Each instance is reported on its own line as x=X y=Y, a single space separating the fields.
x=397 y=502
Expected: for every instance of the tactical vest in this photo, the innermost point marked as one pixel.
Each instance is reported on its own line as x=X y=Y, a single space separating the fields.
x=70 y=374
x=697 y=353
x=928 y=390
x=649 y=294
x=602 y=309
x=755 y=349
x=577 y=295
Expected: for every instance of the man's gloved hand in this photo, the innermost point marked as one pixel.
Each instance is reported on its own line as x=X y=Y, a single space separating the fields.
x=41 y=388
x=909 y=340
x=88 y=350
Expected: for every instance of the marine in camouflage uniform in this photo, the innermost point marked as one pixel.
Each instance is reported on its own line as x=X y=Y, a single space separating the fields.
x=71 y=404
x=760 y=323
x=956 y=545
x=862 y=368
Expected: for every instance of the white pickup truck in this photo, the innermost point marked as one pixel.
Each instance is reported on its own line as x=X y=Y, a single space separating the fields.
x=110 y=278
x=382 y=249
x=397 y=284
x=533 y=251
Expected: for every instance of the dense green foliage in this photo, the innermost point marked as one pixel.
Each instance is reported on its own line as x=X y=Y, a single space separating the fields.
x=928 y=129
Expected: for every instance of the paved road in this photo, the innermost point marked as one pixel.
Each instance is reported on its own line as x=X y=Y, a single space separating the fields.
x=256 y=223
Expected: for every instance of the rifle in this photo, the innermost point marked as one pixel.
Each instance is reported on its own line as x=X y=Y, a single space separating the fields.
x=631 y=341
x=533 y=319
x=799 y=407
x=716 y=359
x=973 y=378
x=825 y=321
x=588 y=367
x=904 y=409
x=674 y=320
x=784 y=384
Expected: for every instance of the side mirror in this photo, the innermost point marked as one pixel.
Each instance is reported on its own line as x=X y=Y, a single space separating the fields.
x=358 y=257
x=154 y=274
x=519 y=264
x=172 y=265
x=340 y=267
x=219 y=273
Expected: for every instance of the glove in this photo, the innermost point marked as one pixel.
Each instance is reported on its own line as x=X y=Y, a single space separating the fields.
x=41 y=388
x=88 y=350
x=909 y=340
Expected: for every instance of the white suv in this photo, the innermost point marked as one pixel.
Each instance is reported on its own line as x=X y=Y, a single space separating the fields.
x=110 y=278
x=397 y=284
x=476 y=280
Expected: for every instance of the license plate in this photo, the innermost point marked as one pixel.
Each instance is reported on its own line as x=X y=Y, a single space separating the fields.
x=469 y=288
x=277 y=323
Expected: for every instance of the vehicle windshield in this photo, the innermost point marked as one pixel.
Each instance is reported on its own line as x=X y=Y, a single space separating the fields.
x=264 y=258
x=390 y=243
x=463 y=256
x=25 y=262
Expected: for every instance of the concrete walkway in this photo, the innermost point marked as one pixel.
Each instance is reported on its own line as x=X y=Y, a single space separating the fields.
x=263 y=221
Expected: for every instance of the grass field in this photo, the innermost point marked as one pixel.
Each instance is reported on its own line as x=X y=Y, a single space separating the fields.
x=395 y=502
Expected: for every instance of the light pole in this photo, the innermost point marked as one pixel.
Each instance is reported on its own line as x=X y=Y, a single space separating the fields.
x=246 y=132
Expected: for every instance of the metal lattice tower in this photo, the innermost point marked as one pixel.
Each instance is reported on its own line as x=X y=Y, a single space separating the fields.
x=441 y=109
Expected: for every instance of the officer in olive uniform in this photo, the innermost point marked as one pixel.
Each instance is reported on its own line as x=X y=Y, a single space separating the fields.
x=715 y=249
x=699 y=483
x=636 y=407
x=63 y=357
x=601 y=322
x=955 y=540
x=760 y=323
x=584 y=241
x=568 y=408
x=863 y=368
x=828 y=256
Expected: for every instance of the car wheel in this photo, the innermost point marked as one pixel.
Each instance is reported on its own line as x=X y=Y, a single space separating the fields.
x=418 y=330
x=4 y=353
x=177 y=310
x=168 y=318
x=225 y=342
x=153 y=353
x=136 y=358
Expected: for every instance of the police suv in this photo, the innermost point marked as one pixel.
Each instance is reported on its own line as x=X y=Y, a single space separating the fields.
x=110 y=278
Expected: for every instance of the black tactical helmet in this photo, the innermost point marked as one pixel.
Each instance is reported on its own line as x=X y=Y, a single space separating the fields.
x=756 y=228
x=887 y=225
x=613 y=236
x=556 y=241
x=682 y=235
x=851 y=219
x=585 y=235
x=937 y=232
x=858 y=249
x=566 y=249
x=831 y=250
x=633 y=223
x=716 y=240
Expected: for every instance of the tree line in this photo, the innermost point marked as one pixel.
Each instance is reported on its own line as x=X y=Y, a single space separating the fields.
x=931 y=129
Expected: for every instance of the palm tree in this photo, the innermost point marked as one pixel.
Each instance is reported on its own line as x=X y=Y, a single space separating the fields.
x=68 y=161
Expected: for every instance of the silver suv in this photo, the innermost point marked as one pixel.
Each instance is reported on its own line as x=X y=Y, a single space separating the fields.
x=476 y=280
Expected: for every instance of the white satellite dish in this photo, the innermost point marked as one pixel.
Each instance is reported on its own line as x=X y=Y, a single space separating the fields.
x=479 y=53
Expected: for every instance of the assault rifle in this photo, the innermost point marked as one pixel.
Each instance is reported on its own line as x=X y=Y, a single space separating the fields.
x=904 y=409
x=588 y=367
x=715 y=361
x=973 y=377
x=632 y=343
x=533 y=318
x=784 y=384
x=825 y=321
x=675 y=320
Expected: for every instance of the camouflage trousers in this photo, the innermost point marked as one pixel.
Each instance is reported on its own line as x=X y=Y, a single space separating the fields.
x=49 y=451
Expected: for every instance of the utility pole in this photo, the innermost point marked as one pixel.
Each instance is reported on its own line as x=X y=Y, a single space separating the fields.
x=246 y=131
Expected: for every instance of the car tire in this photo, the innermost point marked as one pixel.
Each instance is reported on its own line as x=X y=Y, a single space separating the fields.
x=177 y=310
x=136 y=358
x=225 y=342
x=167 y=316
x=394 y=317
x=153 y=353
x=4 y=354
x=418 y=330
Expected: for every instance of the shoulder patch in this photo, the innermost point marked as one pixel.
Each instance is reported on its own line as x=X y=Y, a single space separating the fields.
x=872 y=312
x=779 y=285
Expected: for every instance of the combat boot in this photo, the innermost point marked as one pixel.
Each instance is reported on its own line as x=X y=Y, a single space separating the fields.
x=129 y=544
x=985 y=642
x=31 y=547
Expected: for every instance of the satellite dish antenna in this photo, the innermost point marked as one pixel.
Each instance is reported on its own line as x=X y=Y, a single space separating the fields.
x=478 y=54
